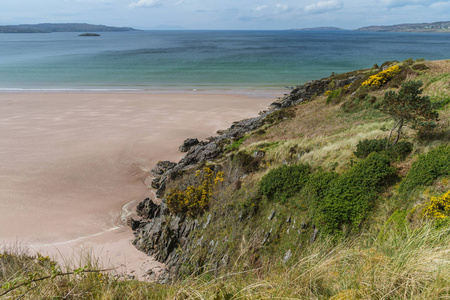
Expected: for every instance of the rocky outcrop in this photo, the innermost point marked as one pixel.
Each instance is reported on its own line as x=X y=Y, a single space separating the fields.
x=162 y=234
x=188 y=144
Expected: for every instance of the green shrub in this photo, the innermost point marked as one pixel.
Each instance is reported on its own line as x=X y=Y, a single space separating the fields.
x=333 y=95
x=350 y=196
x=365 y=147
x=427 y=169
x=246 y=162
x=397 y=152
x=279 y=115
x=235 y=144
x=419 y=67
x=284 y=182
x=316 y=188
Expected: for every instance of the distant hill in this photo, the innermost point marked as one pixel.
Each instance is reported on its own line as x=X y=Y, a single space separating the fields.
x=419 y=27
x=60 y=27
x=320 y=29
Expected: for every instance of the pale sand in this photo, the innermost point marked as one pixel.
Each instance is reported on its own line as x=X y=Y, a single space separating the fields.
x=71 y=161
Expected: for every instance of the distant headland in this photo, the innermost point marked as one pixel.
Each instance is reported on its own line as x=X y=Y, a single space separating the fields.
x=60 y=27
x=416 y=27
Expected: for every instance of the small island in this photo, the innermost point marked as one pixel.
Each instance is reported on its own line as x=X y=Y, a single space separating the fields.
x=89 y=34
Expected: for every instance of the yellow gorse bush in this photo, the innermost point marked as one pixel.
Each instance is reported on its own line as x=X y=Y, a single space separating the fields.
x=194 y=199
x=382 y=77
x=438 y=207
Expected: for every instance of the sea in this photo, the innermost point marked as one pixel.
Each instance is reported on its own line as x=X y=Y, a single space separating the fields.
x=200 y=60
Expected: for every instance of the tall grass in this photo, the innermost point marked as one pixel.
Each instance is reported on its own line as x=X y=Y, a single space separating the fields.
x=399 y=264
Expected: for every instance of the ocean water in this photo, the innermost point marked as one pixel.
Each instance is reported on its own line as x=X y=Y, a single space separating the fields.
x=155 y=60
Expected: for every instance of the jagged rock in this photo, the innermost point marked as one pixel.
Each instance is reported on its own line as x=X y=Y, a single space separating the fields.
x=266 y=238
x=258 y=154
x=162 y=167
x=270 y=217
x=147 y=209
x=156 y=182
x=208 y=220
x=188 y=144
x=287 y=256
x=314 y=235
x=134 y=224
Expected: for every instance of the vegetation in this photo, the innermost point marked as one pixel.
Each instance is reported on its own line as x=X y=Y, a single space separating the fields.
x=195 y=198
x=382 y=77
x=351 y=196
x=407 y=106
x=427 y=169
x=323 y=211
x=283 y=182
x=438 y=207
x=398 y=152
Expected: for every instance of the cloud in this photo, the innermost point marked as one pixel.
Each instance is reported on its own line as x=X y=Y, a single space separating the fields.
x=324 y=6
x=403 y=3
x=146 y=3
x=276 y=9
x=440 y=5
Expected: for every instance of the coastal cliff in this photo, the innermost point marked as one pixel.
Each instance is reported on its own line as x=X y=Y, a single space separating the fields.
x=339 y=190
x=275 y=226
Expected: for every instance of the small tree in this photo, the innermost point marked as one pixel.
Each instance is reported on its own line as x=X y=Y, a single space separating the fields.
x=408 y=107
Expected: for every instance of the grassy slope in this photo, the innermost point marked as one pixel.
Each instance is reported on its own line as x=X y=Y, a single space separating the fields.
x=243 y=253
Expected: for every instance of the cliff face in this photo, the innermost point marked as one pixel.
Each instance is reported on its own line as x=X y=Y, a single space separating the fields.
x=175 y=239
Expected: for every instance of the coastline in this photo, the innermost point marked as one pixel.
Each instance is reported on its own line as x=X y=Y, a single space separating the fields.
x=73 y=160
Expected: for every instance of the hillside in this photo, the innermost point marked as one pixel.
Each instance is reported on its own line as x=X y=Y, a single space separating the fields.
x=417 y=27
x=304 y=201
x=60 y=27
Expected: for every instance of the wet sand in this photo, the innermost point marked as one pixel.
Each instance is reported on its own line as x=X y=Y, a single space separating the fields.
x=73 y=165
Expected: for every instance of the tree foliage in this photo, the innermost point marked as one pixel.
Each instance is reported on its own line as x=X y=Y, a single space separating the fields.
x=408 y=107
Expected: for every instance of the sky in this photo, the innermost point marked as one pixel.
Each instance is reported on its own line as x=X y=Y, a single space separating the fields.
x=225 y=14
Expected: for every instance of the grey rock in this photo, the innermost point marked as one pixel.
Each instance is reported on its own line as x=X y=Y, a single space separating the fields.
x=270 y=217
x=162 y=167
x=147 y=209
x=188 y=144
x=208 y=220
x=314 y=235
x=287 y=256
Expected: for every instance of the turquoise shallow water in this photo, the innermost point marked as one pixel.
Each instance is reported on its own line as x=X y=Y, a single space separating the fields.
x=200 y=59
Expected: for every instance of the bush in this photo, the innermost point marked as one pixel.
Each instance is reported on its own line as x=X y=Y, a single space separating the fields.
x=382 y=77
x=350 y=196
x=419 y=67
x=284 y=182
x=365 y=147
x=194 y=199
x=246 y=162
x=316 y=188
x=397 y=152
x=427 y=169
x=438 y=207
x=235 y=144
x=333 y=95
x=279 y=115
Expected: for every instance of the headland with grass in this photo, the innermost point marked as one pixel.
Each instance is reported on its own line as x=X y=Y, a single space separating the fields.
x=331 y=193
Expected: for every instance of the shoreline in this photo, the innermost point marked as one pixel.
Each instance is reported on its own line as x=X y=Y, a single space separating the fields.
x=75 y=161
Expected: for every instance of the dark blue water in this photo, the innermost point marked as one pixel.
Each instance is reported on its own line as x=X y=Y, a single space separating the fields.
x=200 y=59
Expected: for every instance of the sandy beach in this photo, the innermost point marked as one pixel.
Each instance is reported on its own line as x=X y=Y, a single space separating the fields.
x=74 y=164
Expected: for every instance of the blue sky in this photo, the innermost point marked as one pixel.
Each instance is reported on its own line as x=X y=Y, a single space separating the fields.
x=225 y=14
